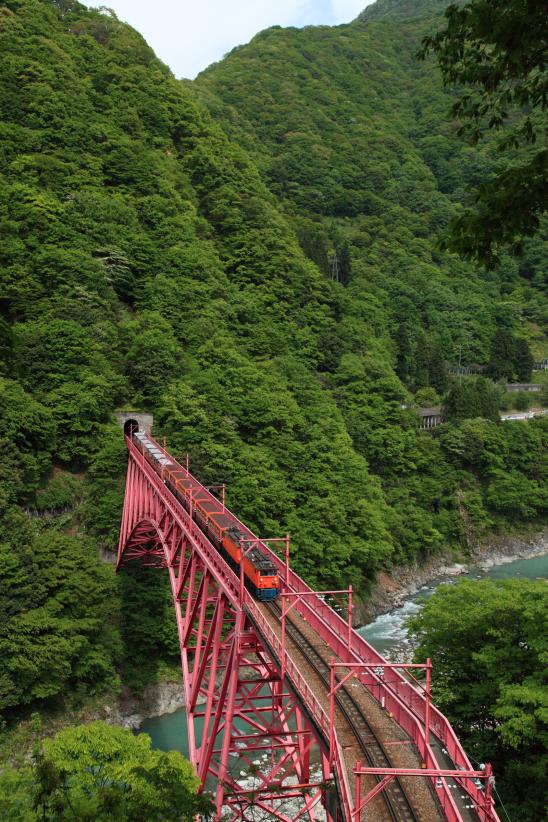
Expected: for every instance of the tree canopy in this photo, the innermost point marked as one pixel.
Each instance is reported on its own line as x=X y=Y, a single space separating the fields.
x=100 y=772
x=495 y=53
x=488 y=644
x=170 y=247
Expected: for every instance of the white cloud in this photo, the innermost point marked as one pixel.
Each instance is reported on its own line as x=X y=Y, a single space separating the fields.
x=188 y=35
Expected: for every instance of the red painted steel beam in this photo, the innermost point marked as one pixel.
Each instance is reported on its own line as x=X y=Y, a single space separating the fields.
x=219 y=643
x=484 y=807
x=223 y=634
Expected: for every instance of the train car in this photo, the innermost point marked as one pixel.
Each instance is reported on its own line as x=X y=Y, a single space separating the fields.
x=152 y=452
x=260 y=573
x=232 y=543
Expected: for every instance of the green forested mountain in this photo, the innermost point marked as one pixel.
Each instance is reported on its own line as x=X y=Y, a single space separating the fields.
x=171 y=246
x=351 y=133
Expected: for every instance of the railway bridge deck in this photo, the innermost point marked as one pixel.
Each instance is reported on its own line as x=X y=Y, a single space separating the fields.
x=380 y=722
x=366 y=732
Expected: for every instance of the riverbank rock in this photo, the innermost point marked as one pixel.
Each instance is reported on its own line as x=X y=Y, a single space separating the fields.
x=157 y=699
x=500 y=550
x=392 y=590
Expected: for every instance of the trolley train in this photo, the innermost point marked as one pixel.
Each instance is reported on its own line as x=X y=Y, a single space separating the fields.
x=260 y=573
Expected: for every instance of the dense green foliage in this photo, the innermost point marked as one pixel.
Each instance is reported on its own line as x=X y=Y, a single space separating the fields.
x=489 y=646
x=510 y=358
x=348 y=130
x=99 y=772
x=495 y=52
x=471 y=398
x=56 y=617
x=251 y=257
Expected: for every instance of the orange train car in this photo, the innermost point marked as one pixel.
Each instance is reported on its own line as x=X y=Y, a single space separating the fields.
x=260 y=573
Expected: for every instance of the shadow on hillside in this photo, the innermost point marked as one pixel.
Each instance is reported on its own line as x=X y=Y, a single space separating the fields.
x=147 y=625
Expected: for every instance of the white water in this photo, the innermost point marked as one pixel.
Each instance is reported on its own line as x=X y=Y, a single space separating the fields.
x=388 y=634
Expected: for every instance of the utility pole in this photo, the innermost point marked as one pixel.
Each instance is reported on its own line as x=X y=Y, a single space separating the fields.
x=465 y=337
x=334 y=268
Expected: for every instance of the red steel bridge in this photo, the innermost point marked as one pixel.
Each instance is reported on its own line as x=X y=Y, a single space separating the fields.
x=291 y=713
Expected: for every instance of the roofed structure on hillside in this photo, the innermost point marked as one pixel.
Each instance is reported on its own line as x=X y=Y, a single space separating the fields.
x=523 y=386
x=466 y=370
x=430 y=417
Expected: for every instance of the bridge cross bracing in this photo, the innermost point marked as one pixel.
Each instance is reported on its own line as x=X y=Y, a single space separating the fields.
x=261 y=735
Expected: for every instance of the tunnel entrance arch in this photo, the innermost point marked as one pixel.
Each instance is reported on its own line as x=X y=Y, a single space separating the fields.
x=136 y=420
x=131 y=426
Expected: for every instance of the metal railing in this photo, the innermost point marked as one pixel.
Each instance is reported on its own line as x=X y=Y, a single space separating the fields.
x=398 y=697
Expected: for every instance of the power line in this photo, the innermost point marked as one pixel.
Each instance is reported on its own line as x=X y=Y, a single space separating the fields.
x=478 y=765
x=502 y=804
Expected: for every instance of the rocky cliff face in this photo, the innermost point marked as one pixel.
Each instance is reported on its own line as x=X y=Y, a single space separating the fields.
x=392 y=590
x=157 y=699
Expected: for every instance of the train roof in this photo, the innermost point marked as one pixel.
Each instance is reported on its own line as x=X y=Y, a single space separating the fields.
x=177 y=473
x=187 y=482
x=262 y=562
x=223 y=521
x=152 y=448
x=208 y=504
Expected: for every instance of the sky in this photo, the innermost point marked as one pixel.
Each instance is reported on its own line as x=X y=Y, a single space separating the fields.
x=188 y=35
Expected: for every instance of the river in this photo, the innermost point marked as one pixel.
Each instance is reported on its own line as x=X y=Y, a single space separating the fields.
x=387 y=634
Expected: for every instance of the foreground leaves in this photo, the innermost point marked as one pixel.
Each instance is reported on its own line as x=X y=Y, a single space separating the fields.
x=488 y=642
x=100 y=772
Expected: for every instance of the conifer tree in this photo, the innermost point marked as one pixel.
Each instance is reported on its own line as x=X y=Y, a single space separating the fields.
x=436 y=369
x=501 y=363
x=404 y=353
x=345 y=263
x=523 y=360
x=421 y=363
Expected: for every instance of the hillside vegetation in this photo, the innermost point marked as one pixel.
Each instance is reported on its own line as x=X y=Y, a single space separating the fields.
x=166 y=246
x=491 y=683
x=351 y=134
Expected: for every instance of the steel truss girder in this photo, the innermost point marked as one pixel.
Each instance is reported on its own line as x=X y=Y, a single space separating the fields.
x=232 y=686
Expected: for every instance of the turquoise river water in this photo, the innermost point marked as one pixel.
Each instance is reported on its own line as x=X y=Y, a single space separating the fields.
x=387 y=633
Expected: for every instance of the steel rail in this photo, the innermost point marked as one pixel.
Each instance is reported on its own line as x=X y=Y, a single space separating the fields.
x=402 y=700
x=395 y=797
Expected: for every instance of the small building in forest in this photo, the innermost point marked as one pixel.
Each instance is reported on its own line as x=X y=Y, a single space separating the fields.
x=430 y=417
x=522 y=386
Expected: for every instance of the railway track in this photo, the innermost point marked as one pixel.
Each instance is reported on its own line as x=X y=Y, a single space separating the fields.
x=395 y=798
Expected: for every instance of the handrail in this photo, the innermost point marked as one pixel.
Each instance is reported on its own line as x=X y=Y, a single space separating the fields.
x=400 y=698
x=309 y=698
x=212 y=557
x=228 y=581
